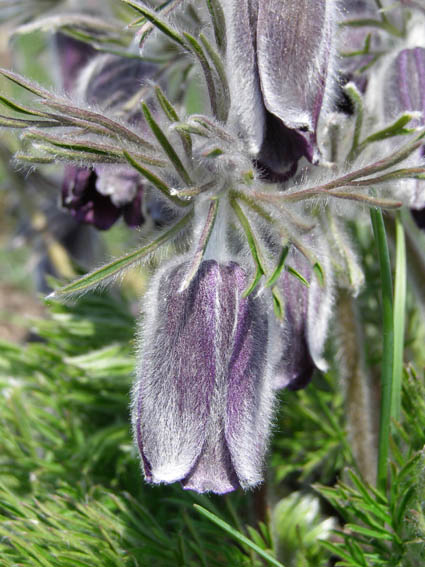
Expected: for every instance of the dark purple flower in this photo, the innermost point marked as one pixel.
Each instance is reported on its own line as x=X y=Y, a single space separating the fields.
x=303 y=331
x=202 y=404
x=81 y=196
x=279 y=58
x=73 y=56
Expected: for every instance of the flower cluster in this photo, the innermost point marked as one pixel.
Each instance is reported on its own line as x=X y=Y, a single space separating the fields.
x=256 y=191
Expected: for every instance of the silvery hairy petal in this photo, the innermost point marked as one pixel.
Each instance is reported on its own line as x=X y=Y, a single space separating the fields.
x=202 y=404
x=303 y=331
x=353 y=38
x=73 y=55
x=404 y=86
x=405 y=83
x=111 y=82
x=280 y=54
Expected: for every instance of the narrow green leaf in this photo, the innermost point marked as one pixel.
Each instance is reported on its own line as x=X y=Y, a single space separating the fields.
x=209 y=79
x=165 y=144
x=155 y=180
x=278 y=303
x=295 y=273
x=221 y=72
x=399 y=317
x=219 y=23
x=395 y=129
x=238 y=536
x=274 y=277
x=19 y=108
x=98 y=118
x=9 y=122
x=255 y=251
x=368 y=532
x=388 y=346
x=30 y=86
x=320 y=274
x=156 y=21
x=172 y=115
x=117 y=266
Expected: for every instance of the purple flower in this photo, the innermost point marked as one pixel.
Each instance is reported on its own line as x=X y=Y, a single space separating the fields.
x=99 y=196
x=202 y=404
x=303 y=331
x=73 y=56
x=279 y=58
x=353 y=39
x=405 y=92
x=87 y=204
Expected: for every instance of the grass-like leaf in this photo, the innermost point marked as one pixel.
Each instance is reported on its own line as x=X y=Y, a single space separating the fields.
x=172 y=115
x=253 y=245
x=238 y=536
x=196 y=48
x=113 y=269
x=399 y=317
x=219 y=23
x=156 y=21
x=165 y=144
x=155 y=180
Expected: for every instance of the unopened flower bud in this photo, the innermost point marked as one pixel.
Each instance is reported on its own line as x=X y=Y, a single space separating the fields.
x=203 y=403
x=304 y=328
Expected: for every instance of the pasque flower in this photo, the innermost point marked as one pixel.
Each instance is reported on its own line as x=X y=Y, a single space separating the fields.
x=101 y=195
x=90 y=197
x=304 y=329
x=405 y=92
x=203 y=401
x=280 y=55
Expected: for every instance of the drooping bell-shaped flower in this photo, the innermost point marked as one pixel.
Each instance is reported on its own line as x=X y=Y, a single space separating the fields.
x=405 y=92
x=85 y=194
x=304 y=329
x=73 y=55
x=280 y=54
x=203 y=402
x=99 y=196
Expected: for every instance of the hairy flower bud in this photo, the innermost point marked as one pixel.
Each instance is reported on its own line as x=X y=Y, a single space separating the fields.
x=405 y=92
x=303 y=331
x=280 y=53
x=202 y=404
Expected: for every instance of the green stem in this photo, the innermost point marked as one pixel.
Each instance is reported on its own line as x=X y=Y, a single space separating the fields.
x=399 y=317
x=388 y=347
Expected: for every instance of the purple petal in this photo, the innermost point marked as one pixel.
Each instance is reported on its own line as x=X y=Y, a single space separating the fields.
x=73 y=56
x=178 y=371
x=132 y=212
x=294 y=46
x=405 y=84
x=405 y=92
x=85 y=203
x=202 y=405
x=303 y=331
x=250 y=396
x=247 y=105
x=419 y=216
x=111 y=81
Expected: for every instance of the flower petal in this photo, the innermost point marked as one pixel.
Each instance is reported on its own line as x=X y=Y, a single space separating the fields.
x=250 y=396
x=247 y=106
x=294 y=47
